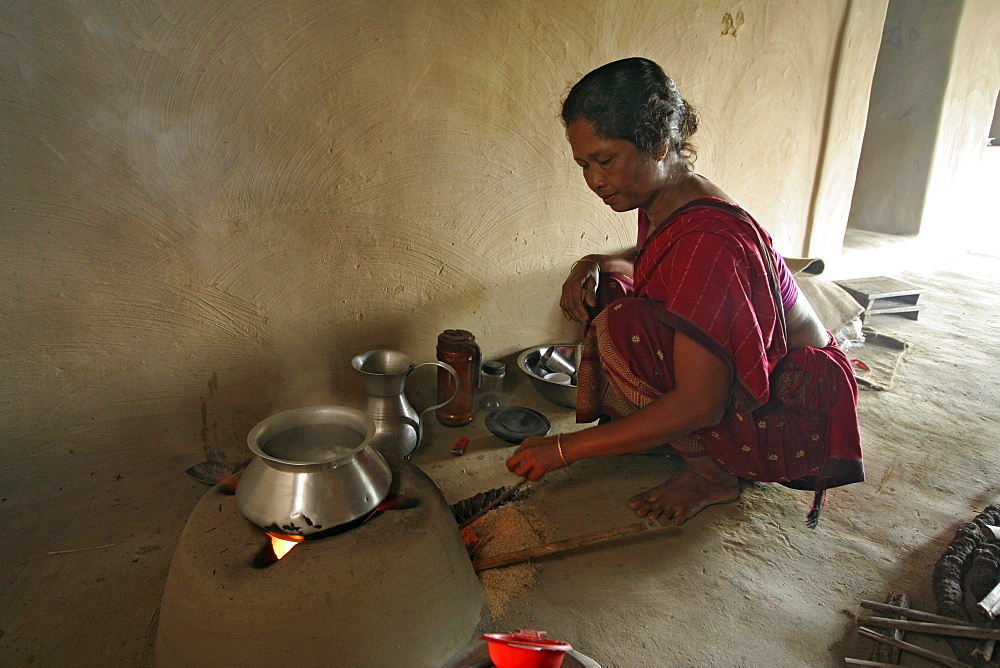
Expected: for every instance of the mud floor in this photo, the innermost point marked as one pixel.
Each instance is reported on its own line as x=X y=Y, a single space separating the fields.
x=741 y=584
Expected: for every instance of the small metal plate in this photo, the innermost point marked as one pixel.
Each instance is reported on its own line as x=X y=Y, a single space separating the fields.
x=517 y=423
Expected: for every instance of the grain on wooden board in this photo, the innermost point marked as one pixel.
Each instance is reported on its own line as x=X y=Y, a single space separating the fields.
x=508 y=528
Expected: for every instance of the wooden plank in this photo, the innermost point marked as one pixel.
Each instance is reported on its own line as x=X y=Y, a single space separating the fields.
x=576 y=542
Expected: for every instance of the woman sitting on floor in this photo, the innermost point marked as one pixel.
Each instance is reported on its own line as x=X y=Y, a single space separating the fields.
x=698 y=341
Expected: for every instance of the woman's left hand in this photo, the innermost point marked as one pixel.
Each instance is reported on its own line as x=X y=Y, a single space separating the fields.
x=535 y=457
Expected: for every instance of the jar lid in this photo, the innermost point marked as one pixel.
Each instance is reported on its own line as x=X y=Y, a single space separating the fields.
x=457 y=340
x=494 y=368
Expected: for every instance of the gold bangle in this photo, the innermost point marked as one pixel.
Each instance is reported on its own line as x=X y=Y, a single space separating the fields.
x=559 y=448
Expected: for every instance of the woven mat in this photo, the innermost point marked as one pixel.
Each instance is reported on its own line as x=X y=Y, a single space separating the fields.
x=877 y=361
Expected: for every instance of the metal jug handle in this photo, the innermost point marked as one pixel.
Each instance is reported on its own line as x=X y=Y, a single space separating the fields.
x=420 y=420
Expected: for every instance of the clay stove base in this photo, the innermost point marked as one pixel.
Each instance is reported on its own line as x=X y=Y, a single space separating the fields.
x=397 y=590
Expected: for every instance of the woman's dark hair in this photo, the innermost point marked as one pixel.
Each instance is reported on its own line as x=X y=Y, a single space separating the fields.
x=634 y=99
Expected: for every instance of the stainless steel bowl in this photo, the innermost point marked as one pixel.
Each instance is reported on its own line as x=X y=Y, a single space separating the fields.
x=558 y=393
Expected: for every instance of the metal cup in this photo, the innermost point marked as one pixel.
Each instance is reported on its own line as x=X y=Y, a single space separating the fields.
x=553 y=361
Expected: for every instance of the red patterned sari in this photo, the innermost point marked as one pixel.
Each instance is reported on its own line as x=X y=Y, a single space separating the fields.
x=792 y=417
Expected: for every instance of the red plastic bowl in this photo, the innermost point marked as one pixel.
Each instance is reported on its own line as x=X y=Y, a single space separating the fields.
x=525 y=649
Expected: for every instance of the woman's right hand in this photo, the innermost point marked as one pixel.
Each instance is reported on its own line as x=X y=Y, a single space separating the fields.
x=536 y=456
x=579 y=290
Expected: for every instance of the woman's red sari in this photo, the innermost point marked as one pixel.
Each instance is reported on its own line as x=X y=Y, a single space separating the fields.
x=792 y=417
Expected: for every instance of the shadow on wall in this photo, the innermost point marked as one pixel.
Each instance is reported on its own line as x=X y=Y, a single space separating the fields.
x=298 y=369
x=501 y=326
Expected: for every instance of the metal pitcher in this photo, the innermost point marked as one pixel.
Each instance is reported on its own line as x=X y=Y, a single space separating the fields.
x=398 y=428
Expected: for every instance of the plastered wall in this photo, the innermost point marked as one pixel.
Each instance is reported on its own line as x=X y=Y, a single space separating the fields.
x=923 y=169
x=208 y=208
x=907 y=96
x=843 y=122
x=959 y=207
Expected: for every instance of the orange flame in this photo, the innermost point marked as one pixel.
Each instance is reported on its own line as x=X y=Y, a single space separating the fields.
x=283 y=544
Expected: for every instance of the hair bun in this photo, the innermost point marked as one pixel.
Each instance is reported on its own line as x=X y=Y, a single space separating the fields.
x=635 y=100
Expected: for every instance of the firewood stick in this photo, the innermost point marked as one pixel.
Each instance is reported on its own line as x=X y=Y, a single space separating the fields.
x=888 y=653
x=984 y=650
x=875 y=664
x=913 y=649
x=912 y=614
x=933 y=629
x=547 y=549
x=494 y=503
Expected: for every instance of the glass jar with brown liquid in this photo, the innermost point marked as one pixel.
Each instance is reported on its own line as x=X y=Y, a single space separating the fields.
x=458 y=348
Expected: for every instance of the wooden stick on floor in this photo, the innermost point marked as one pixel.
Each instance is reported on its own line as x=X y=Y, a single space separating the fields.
x=951 y=630
x=913 y=649
x=887 y=653
x=912 y=614
x=567 y=544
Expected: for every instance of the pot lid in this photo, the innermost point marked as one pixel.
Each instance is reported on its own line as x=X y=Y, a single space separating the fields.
x=517 y=423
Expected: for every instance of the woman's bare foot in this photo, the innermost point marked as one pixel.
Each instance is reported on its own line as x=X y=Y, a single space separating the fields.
x=700 y=484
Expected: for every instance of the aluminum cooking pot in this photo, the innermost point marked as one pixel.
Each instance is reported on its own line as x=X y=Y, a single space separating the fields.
x=314 y=470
